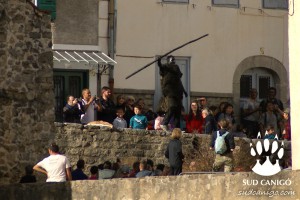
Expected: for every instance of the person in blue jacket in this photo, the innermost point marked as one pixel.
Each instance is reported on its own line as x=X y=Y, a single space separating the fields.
x=138 y=121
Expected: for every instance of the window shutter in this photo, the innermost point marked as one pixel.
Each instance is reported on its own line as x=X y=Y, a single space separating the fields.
x=264 y=84
x=48 y=5
x=245 y=85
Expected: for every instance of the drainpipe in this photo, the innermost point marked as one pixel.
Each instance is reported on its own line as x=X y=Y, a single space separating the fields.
x=111 y=41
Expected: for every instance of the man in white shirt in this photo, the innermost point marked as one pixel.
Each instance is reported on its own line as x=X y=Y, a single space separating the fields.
x=56 y=166
x=89 y=107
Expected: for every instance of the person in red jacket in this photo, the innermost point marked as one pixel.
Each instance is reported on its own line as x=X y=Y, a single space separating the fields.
x=194 y=119
x=286 y=133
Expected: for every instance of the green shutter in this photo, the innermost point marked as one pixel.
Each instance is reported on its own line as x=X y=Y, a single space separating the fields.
x=48 y=5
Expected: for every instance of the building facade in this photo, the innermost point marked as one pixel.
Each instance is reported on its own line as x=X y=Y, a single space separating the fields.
x=80 y=47
x=246 y=46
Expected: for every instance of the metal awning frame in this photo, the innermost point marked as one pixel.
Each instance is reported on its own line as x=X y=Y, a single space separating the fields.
x=87 y=57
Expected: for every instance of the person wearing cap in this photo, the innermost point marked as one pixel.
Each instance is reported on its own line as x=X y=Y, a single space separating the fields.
x=172 y=90
x=56 y=166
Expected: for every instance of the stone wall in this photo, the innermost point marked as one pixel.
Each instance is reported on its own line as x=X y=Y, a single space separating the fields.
x=213 y=99
x=230 y=186
x=96 y=144
x=26 y=86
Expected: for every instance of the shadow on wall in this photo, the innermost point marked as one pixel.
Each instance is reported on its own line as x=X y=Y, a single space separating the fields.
x=37 y=191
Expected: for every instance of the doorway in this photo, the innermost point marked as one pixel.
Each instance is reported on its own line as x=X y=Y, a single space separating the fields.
x=67 y=83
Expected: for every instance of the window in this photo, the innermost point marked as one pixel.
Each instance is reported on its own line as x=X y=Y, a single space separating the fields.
x=258 y=78
x=176 y=1
x=231 y=3
x=48 y=5
x=245 y=85
x=67 y=83
x=275 y=4
x=264 y=84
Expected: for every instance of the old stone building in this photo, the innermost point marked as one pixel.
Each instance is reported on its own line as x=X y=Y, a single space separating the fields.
x=26 y=87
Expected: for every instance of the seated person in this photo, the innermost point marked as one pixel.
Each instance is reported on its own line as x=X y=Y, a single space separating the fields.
x=144 y=170
x=94 y=173
x=78 y=174
x=29 y=177
x=107 y=172
x=159 y=170
x=135 y=169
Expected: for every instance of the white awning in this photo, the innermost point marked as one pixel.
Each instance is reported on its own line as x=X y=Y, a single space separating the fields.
x=90 y=57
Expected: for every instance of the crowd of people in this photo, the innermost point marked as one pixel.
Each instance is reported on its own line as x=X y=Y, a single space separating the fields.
x=255 y=119
x=267 y=119
x=57 y=168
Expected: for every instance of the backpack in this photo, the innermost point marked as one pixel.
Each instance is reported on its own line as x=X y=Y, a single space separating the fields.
x=220 y=144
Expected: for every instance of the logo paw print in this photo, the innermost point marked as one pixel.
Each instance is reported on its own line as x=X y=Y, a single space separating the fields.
x=267 y=168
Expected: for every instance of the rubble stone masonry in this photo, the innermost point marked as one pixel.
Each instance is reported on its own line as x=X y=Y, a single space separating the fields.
x=96 y=144
x=26 y=87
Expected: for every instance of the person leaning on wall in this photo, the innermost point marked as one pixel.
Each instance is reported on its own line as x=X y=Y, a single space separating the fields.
x=57 y=167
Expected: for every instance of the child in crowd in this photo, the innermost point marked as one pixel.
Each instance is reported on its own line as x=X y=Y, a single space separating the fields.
x=94 y=173
x=225 y=158
x=138 y=121
x=135 y=169
x=151 y=116
x=145 y=169
x=270 y=132
x=119 y=122
x=78 y=173
x=174 y=152
x=158 y=120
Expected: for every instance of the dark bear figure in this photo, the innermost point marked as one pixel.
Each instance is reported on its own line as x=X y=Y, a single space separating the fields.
x=172 y=90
